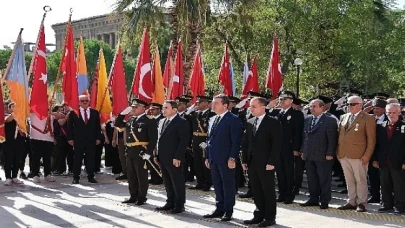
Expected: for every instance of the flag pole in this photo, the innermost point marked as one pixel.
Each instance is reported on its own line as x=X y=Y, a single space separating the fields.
x=46 y=10
x=61 y=59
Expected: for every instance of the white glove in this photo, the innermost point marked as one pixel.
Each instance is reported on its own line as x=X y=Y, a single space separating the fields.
x=146 y=156
x=242 y=103
x=126 y=111
x=203 y=145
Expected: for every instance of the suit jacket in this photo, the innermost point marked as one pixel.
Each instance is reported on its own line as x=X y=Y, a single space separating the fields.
x=225 y=141
x=321 y=141
x=358 y=139
x=189 y=120
x=292 y=123
x=395 y=149
x=173 y=141
x=80 y=132
x=265 y=145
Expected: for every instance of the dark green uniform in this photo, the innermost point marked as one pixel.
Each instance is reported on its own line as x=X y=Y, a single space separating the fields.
x=146 y=135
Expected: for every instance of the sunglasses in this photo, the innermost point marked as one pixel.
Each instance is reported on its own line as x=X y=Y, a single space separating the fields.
x=352 y=104
x=84 y=100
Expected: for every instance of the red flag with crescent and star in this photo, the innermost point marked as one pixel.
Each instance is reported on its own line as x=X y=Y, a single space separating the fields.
x=178 y=77
x=143 y=84
x=39 y=95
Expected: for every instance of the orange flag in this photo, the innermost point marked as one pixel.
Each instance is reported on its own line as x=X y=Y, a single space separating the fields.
x=159 y=92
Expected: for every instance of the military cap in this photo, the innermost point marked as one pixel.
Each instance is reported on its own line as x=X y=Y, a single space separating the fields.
x=380 y=95
x=379 y=103
x=368 y=97
x=325 y=99
x=298 y=101
x=234 y=99
x=187 y=97
x=202 y=98
x=356 y=92
x=254 y=94
x=287 y=94
x=136 y=102
x=156 y=106
x=401 y=101
x=182 y=100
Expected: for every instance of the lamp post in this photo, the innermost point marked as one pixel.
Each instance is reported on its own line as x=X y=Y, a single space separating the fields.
x=298 y=63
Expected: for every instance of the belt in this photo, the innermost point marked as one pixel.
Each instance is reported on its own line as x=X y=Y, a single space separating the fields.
x=200 y=134
x=137 y=144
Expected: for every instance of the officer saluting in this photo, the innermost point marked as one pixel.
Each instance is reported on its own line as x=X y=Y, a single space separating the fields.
x=141 y=138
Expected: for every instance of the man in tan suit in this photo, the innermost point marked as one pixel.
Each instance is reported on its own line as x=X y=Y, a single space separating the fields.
x=357 y=132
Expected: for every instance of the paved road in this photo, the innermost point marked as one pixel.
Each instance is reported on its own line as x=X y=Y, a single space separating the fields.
x=61 y=204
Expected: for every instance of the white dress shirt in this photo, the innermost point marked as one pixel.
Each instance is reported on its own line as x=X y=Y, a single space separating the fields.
x=259 y=121
x=87 y=112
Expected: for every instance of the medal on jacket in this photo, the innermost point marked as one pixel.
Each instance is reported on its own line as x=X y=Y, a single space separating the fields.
x=357 y=127
x=139 y=129
x=288 y=117
x=403 y=129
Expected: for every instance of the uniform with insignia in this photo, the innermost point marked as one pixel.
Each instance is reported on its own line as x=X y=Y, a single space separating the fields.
x=155 y=179
x=200 y=122
x=292 y=123
x=141 y=137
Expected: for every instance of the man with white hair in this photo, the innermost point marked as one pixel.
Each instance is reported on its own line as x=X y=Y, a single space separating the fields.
x=355 y=148
x=389 y=157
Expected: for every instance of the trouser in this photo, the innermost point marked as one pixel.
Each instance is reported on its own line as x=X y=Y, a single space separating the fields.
x=26 y=151
x=154 y=176
x=116 y=165
x=121 y=153
x=65 y=154
x=202 y=173
x=239 y=175
x=97 y=158
x=55 y=159
x=87 y=150
x=393 y=181
x=223 y=179
x=137 y=174
x=41 y=149
x=263 y=188
x=175 y=186
x=285 y=177
x=12 y=156
x=374 y=181
x=298 y=172
x=319 y=174
x=356 y=180
x=188 y=167
x=108 y=153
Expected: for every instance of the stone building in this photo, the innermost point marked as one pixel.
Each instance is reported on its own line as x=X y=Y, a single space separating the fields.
x=103 y=27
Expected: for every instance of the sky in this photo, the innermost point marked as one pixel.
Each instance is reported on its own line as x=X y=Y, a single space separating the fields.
x=27 y=14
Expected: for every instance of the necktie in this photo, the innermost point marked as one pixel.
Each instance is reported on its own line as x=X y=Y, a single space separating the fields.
x=255 y=126
x=351 y=118
x=165 y=124
x=313 y=122
x=215 y=124
x=86 y=119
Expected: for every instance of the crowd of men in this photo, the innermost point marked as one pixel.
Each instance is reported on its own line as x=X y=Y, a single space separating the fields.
x=225 y=143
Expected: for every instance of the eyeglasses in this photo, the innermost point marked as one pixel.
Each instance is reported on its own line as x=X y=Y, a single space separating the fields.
x=84 y=100
x=352 y=104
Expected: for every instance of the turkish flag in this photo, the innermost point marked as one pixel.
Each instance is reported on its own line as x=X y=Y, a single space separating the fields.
x=167 y=71
x=117 y=84
x=252 y=81
x=274 y=79
x=39 y=95
x=178 y=77
x=197 y=80
x=225 y=77
x=69 y=84
x=143 y=83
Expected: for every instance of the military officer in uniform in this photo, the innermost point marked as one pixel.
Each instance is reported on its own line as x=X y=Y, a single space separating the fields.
x=188 y=164
x=156 y=113
x=200 y=128
x=141 y=138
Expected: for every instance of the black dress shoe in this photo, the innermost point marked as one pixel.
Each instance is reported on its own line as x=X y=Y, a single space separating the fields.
x=206 y=189
x=92 y=180
x=253 y=221
x=166 y=207
x=23 y=176
x=296 y=191
x=227 y=217
x=215 y=214
x=289 y=201
x=248 y=194
x=197 y=187
x=399 y=211
x=31 y=175
x=130 y=200
x=324 y=206
x=177 y=210
x=122 y=177
x=75 y=181
x=309 y=204
x=385 y=210
x=267 y=223
x=141 y=202
x=373 y=200
x=151 y=181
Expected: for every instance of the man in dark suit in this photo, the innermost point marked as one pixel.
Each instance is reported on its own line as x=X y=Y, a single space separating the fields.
x=223 y=146
x=171 y=148
x=141 y=137
x=156 y=111
x=83 y=131
x=389 y=157
x=261 y=149
x=292 y=123
x=318 y=149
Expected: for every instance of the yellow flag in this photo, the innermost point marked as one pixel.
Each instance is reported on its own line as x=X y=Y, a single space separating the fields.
x=103 y=104
x=159 y=93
